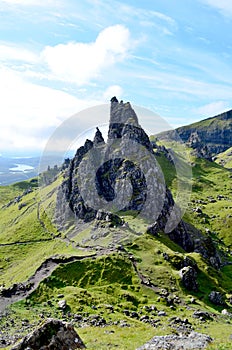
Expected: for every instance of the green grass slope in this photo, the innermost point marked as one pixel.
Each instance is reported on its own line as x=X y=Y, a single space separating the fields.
x=124 y=287
x=225 y=158
x=27 y=235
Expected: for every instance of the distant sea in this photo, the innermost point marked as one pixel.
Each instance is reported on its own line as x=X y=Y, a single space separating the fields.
x=17 y=169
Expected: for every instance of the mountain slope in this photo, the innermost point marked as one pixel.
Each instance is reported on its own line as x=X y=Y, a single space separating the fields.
x=225 y=158
x=213 y=133
x=118 y=286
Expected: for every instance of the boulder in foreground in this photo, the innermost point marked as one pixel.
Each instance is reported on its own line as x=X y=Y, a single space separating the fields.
x=52 y=335
x=193 y=340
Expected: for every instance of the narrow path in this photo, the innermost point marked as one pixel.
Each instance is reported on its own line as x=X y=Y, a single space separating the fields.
x=26 y=242
x=22 y=290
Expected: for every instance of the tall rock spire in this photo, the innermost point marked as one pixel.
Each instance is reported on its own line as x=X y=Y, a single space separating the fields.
x=122 y=113
x=98 y=138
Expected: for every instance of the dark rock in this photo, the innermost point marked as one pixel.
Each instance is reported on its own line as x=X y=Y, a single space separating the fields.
x=166 y=256
x=126 y=312
x=198 y=210
x=144 y=318
x=77 y=317
x=153 y=229
x=60 y=295
x=216 y=298
x=201 y=149
x=22 y=205
x=189 y=278
x=182 y=235
x=98 y=138
x=114 y=99
x=203 y=315
x=206 y=247
x=52 y=335
x=123 y=126
x=162 y=313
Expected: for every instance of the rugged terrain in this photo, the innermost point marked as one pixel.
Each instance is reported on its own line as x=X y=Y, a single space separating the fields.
x=118 y=274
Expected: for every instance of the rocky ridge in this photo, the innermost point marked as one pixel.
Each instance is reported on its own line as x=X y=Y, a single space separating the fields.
x=208 y=137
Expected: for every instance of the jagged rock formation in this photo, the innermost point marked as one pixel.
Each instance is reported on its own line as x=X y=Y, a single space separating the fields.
x=105 y=179
x=208 y=137
x=52 y=335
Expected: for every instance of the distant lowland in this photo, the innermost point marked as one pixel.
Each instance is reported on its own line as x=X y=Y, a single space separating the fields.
x=17 y=169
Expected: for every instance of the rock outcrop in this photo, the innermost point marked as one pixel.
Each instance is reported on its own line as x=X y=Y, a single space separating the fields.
x=117 y=176
x=208 y=137
x=193 y=340
x=52 y=335
x=200 y=148
x=217 y=298
x=189 y=278
x=105 y=179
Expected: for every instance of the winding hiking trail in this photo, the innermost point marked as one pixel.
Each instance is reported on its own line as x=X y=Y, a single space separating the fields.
x=20 y=291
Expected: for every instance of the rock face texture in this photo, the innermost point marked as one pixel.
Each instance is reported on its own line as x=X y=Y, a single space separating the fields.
x=208 y=137
x=116 y=176
x=52 y=335
x=176 y=342
x=189 y=278
x=105 y=179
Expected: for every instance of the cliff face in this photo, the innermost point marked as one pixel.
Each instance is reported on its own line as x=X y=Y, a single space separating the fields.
x=107 y=179
x=208 y=137
x=118 y=175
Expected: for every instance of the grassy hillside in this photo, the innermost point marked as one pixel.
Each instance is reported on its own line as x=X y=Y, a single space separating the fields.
x=225 y=158
x=211 y=193
x=122 y=295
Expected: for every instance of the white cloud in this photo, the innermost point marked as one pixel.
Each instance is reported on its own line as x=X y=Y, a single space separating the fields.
x=113 y=90
x=13 y=52
x=212 y=109
x=224 y=6
x=80 y=62
x=30 y=112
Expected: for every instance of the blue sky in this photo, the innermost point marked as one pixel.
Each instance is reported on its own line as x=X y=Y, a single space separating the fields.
x=58 y=57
